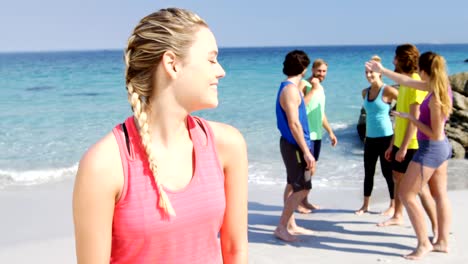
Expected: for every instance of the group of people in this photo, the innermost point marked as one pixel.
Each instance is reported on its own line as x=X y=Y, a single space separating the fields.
x=166 y=186
x=413 y=153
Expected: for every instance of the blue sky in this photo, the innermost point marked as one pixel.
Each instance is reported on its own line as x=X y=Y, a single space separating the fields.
x=37 y=25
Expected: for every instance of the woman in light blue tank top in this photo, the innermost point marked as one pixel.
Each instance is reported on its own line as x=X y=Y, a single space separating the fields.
x=379 y=132
x=429 y=163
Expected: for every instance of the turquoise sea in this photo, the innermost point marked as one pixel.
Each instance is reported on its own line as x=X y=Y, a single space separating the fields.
x=53 y=105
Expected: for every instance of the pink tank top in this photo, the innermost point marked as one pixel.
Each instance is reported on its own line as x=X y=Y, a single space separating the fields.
x=141 y=233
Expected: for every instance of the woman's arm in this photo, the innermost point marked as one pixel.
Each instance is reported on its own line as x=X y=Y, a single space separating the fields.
x=397 y=77
x=435 y=131
x=232 y=152
x=390 y=94
x=96 y=189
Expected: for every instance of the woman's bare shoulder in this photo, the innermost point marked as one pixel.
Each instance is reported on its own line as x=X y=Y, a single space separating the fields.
x=230 y=143
x=226 y=134
x=101 y=164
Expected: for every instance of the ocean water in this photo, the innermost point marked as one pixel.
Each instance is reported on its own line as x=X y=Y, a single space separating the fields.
x=54 y=105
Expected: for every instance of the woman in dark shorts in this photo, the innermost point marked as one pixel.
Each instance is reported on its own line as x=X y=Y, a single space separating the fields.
x=429 y=164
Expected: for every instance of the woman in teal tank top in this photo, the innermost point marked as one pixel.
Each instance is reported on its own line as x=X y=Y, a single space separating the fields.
x=379 y=132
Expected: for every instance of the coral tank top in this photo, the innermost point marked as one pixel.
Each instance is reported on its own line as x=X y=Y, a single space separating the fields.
x=141 y=233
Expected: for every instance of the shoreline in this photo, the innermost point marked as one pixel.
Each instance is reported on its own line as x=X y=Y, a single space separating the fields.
x=38 y=227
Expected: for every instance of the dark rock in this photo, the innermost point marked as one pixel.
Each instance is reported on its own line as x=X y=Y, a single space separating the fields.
x=460 y=101
x=361 y=126
x=459 y=82
x=458 y=151
x=458 y=135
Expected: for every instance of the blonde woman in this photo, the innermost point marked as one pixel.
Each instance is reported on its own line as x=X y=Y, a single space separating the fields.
x=379 y=132
x=429 y=164
x=164 y=185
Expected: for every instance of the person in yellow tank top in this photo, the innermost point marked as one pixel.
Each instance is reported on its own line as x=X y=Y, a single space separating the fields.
x=404 y=143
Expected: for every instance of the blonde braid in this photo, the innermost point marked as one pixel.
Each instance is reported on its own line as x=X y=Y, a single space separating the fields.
x=142 y=119
x=168 y=29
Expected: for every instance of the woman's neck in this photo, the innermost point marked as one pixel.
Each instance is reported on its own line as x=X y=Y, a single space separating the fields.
x=167 y=123
x=376 y=84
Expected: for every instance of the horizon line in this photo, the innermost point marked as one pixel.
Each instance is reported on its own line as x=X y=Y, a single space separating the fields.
x=226 y=47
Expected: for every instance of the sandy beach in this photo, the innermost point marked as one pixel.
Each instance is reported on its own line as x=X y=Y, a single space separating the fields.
x=36 y=227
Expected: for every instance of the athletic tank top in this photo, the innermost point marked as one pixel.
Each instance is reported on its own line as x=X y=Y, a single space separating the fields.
x=282 y=120
x=425 y=114
x=378 y=123
x=315 y=111
x=140 y=231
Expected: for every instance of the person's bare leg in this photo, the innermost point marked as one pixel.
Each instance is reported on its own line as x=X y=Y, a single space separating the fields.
x=365 y=206
x=430 y=207
x=390 y=210
x=306 y=204
x=302 y=207
x=438 y=186
x=397 y=218
x=409 y=189
x=286 y=219
x=293 y=228
x=287 y=192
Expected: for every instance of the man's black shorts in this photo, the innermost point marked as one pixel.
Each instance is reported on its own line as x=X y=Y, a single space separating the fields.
x=402 y=166
x=293 y=159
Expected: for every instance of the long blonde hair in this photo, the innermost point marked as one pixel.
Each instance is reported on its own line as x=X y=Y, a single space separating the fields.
x=170 y=29
x=435 y=67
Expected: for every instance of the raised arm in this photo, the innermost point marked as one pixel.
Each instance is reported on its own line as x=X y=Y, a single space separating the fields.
x=397 y=77
x=309 y=95
x=232 y=153
x=97 y=185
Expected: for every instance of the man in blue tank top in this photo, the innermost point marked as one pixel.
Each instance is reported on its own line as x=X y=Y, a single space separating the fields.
x=291 y=117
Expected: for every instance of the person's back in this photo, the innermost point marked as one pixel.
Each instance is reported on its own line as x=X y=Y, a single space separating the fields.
x=282 y=121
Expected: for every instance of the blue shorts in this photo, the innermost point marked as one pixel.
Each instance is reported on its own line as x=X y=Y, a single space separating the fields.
x=315 y=147
x=432 y=153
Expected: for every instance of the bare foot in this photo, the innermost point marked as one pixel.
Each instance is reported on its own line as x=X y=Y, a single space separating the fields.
x=391 y=221
x=303 y=210
x=311 y=206
x=440 y=247
x=388 y=212
x=435 y=237
x=362 y=210
x=419 y=252
x=283 y=234
x=297 y=230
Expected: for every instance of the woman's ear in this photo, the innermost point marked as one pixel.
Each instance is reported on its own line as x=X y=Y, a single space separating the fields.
x=170 y=63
